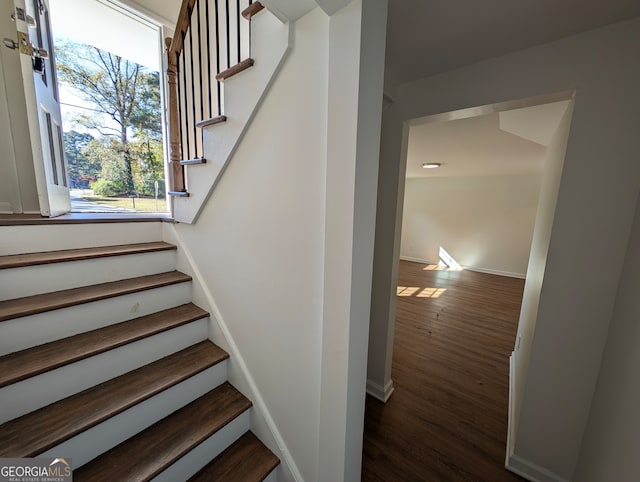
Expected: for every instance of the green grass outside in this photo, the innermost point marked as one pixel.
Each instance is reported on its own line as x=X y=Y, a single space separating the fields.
x=141 y=203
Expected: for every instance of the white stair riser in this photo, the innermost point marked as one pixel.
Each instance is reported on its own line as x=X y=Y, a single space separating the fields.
x=32 y=330
x=272 y=477
x=32 y=280
x=201 y=455
x=35 y=239
x=36 y=392
x=89 y=444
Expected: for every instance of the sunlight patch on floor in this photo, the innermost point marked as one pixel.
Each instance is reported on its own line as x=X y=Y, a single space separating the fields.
x=431 y=293
x=420 y=292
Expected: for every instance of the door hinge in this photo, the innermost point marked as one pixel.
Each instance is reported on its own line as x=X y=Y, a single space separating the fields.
x=10 y=43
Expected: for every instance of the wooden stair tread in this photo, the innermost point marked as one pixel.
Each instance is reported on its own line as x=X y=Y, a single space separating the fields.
x=212 y=121
x=39 y=359
x=247 y=460
x=35 y=432
x=235 y=69
x=47 y=257
x=178 y=193
x=194 y=161
x=41 y=303
x=252 y=10
x=84 y=218
x=151 y=451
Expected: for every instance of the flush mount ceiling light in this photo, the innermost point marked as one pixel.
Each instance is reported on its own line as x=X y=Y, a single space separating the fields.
x=431 y=165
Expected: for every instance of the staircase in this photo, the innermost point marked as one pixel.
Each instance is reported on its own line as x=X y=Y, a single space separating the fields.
x=105 y=360
x=221 y=60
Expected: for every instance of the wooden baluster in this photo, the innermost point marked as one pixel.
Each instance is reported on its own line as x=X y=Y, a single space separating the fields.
x=177 y=174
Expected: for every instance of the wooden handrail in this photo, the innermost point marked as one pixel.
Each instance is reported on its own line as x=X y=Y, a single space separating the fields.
x=182 y=26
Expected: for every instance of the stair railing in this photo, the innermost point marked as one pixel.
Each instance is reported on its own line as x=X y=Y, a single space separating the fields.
x=210 y=43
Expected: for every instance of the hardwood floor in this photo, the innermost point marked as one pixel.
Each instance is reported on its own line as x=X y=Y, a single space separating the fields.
x=447 y=418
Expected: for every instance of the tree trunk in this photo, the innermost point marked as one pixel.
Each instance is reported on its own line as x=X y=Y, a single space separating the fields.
x=126 y=155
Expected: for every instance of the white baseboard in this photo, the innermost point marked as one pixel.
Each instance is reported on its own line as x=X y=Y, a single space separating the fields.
x=377 y=391
x=531 y=471
x=496 y=272
x=416 y=260
x=515 y=463
x=511 y=421
x=470 y=268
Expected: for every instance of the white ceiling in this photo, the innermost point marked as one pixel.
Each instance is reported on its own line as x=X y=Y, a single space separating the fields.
x=166 y=9
x=106 y=25
x=428 y=37
x=509 y=142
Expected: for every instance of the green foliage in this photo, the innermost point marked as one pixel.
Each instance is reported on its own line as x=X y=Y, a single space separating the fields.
x=105 y=187
x=146 y=166
x=146 y=119
x=80 y=169
x=114 y=178
x=129 y=149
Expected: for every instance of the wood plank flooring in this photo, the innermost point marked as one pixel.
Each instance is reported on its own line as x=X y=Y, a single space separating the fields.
x=447 y=418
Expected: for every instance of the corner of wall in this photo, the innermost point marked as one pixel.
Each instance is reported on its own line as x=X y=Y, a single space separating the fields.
x=531 y=471
x=379 y=392
x=511 y=424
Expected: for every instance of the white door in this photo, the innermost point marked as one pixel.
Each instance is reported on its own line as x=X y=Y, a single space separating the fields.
x=37 y=62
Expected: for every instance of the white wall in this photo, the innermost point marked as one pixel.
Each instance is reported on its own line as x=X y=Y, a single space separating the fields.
x=484 y=223
x=259 y=242
x=356 y=70
x=548 y=197
x=285 y=243
x=394 y=140
x=610 y=447
x=593 y=217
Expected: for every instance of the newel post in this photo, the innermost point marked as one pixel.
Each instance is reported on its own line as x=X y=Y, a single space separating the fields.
x=177 y=173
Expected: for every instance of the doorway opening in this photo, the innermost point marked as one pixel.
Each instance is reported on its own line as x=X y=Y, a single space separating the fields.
x=472 y=251
x=109 y=64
